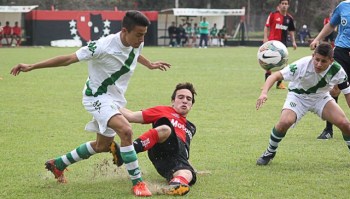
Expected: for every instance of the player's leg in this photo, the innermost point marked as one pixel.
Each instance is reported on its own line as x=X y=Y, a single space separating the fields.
x=287 y=119
x=327 y=133
x=342 y=57
x=334 y=114
x=183 y=175
x=128 y=154
x=179 y=184
x=59 y=164
x=291 y=113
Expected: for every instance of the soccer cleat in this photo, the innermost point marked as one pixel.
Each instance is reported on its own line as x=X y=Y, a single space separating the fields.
x=265 y=158
x=140 y=189
x=281 y=86
x=177 y=189
x=325 y=135
x=59 y=175
x=115 y=150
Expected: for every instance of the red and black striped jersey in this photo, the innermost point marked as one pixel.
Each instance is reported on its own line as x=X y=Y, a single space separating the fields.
x=279 y=26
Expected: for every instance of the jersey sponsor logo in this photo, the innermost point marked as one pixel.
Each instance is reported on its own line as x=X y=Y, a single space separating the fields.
x=281 y=26
x=177 y=124
x=293 y=104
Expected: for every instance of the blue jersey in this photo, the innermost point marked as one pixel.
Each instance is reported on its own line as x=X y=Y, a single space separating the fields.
x=341 y=17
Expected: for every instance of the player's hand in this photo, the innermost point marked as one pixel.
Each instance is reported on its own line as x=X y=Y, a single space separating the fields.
x=313 y=44
x=163 y=66
x=261 y=100
x=21 y=68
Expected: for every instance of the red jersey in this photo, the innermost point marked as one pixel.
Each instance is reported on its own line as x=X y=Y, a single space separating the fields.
x=16 y=30
x=7 y=30
x=153 y=114
x=279 y=26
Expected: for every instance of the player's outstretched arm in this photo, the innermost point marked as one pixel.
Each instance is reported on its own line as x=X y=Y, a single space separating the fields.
x=63 y=60
x=163 y=66
x=270 y=81
x=132 y=117
x=326 y=30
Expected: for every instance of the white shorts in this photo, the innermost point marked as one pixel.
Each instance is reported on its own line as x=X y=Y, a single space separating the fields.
x=302 y=104
x=102 y=108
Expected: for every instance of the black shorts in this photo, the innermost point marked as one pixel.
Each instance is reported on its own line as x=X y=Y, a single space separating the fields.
x=342 y=56
x=171 y=155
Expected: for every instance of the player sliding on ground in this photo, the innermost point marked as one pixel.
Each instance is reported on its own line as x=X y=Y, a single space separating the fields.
x=311 y=78
x=168 y=142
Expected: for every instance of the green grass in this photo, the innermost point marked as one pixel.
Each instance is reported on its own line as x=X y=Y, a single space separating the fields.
x=41 y=117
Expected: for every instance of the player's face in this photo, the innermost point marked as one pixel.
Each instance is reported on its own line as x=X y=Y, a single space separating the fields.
x=321 y=63
x=283 y=6
x=183 y=101
x=136 y=36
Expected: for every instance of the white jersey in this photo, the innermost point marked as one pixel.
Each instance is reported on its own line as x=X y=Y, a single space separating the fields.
x=304 y=81
x=110 y=66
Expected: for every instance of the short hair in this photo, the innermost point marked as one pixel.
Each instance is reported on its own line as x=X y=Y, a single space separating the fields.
x=284 y=0
x=187 y=86
x=324 y=49
x=134 y=18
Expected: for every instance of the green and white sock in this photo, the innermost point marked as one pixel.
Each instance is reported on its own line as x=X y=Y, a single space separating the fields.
x=129 y=157
x=83 y=152
x=275 y=138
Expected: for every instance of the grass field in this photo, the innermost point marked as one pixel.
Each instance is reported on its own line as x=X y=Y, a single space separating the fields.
x=41 y=117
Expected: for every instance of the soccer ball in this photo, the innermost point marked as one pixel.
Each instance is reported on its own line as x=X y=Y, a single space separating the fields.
x=273 y=55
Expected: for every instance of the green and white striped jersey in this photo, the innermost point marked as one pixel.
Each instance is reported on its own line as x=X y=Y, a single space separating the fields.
x=305 y=81
x=110 y=66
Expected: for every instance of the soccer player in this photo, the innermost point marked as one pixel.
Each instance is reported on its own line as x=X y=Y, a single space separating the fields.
x=168 y=142
x=277 y=27
x=16 y=34
x=311 y=78
x=341 y=52
x=111 y=63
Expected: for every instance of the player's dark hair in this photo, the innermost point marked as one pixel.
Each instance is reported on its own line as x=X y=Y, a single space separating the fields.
x=324 y=49
x=284 y=0
x=187 y=86
x=134 y=18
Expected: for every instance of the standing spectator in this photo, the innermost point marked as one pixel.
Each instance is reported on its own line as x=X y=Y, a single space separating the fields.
x=330 y=37
x=277 y=27
x=304 y=33
x=16 y=34
x=172 y=34
x=213 y=33
x=111 y=62
x=7 y=30
x=338 y=19
x=204 y=32
x=222 y=36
